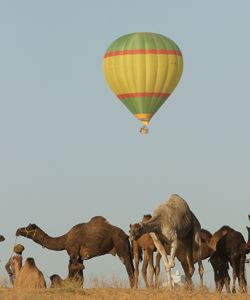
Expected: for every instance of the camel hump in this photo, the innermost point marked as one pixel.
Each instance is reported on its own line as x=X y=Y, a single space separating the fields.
x=177 y=201
x=30 y=262
x=98 y=219
x=175 y=214
x=174 y=205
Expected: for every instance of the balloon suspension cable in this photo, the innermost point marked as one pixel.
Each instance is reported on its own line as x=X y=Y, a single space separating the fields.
x=144 y=130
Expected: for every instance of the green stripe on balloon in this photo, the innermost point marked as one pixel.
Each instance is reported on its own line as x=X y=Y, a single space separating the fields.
x=143 y=105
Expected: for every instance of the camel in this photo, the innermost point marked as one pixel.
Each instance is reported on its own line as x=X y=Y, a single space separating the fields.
x=2 y=238
x=56 y=281
x=171 y=222
x=230 y=248
x=85 y=241
x=146 y=245
x=27 y=276
x=74 y=268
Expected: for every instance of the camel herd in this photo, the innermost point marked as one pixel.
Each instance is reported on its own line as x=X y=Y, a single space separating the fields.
x=172 y=230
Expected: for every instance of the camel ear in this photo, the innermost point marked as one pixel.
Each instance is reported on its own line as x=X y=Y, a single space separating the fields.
x=130 y=225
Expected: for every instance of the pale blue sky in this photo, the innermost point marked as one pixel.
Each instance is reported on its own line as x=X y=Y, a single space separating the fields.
x=70 y=150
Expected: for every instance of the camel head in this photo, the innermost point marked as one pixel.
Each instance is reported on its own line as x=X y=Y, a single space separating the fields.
x=56 y=280
x=2 y=238
x=146 y=218
x=136 y=231
x=28 y=231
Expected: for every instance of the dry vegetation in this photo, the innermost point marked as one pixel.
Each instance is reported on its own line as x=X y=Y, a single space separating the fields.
x=100 y=289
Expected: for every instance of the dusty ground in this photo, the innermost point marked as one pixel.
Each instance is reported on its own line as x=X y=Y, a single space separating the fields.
x=114 y=294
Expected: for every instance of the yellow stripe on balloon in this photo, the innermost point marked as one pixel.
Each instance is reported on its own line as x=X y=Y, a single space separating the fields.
x=144 y=118
x=143 y=72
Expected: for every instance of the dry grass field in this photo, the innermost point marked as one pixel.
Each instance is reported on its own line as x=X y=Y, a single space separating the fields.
x=114 y=294
x=114 y=290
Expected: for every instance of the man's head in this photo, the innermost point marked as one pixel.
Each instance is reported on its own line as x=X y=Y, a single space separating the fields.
x=18 y=249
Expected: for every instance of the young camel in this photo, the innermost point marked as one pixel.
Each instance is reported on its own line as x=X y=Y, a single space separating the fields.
x=27 y=276
x=171 y=222
x=56 y=281
x=145 y=245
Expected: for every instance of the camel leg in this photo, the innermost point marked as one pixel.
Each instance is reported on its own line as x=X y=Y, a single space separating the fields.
x=235 y=274
x=189 y=261
x=227 y=281
x=201 y=273
x=173 y=247
x=201 y=268
x=151 y=267
x=163 y=253
x=137 y=260
x=123 y=250
x=144 y=267
x=242 y=278
x=157 y=269
x=75 y=268
x=185 y=267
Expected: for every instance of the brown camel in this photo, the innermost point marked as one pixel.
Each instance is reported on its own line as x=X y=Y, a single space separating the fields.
x=84 y=241
x=230 y=248
x=27 y=276
x=146 y=245
x=171 y=222
x=56 y=281
x=2 y=238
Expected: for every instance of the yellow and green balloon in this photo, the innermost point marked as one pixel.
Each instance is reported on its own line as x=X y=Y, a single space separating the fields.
x=143 y=69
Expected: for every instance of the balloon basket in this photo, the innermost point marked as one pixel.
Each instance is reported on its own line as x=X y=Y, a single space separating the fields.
x=144 y=130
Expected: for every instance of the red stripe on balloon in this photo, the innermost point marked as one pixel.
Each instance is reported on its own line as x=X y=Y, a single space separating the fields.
x=143 y=95
x=141 y=51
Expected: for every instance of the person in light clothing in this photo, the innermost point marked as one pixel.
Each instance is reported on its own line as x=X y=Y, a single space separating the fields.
x=177 y=280
x=17 y=251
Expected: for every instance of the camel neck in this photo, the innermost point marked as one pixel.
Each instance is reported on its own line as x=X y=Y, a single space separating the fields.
x=52 y=243
x=151 y=225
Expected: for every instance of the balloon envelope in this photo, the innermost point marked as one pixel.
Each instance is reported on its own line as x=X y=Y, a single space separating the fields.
x=143 y=69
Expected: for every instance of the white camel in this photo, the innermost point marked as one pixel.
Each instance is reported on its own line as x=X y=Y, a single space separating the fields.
x=172 y=221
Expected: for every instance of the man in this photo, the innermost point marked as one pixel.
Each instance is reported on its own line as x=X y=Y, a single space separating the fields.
x=18 y=250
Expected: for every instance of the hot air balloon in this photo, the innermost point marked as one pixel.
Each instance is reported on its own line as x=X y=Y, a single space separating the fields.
x=143 y=69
